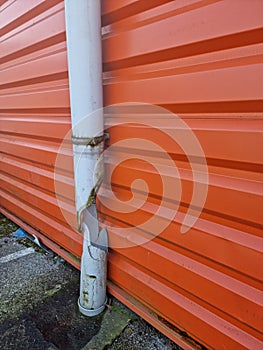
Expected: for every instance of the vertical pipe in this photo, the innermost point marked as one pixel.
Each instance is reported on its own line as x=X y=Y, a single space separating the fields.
x=83 y=32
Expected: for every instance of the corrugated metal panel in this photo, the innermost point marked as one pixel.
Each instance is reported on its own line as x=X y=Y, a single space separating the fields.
x=35 y=116
x=203 y=61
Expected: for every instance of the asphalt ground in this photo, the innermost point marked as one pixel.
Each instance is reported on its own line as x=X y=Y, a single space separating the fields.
x=38 y=306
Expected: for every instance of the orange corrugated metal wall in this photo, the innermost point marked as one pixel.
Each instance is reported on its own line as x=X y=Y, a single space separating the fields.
x=35 y=116
x=201 y=60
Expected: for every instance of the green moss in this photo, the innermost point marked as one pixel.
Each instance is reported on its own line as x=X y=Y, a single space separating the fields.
x=7 y=227
x=27 y=243
x=75 y=258
x=113 y=323
x=55 y=290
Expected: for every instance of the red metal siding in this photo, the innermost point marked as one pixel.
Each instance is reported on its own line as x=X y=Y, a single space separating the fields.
x=201 y=60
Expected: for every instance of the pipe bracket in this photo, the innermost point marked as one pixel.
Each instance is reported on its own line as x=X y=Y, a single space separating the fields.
x=88 y=141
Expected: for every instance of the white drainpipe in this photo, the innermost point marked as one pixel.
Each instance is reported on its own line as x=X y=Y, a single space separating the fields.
x=83 y=32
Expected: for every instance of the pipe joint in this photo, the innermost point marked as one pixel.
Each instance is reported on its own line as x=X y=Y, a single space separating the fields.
x=88 y=141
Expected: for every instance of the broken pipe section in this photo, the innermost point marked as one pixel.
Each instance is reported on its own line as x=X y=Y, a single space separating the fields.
x=92 y=298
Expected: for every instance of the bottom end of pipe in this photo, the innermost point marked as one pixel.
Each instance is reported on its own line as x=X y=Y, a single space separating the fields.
x=91 y=312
